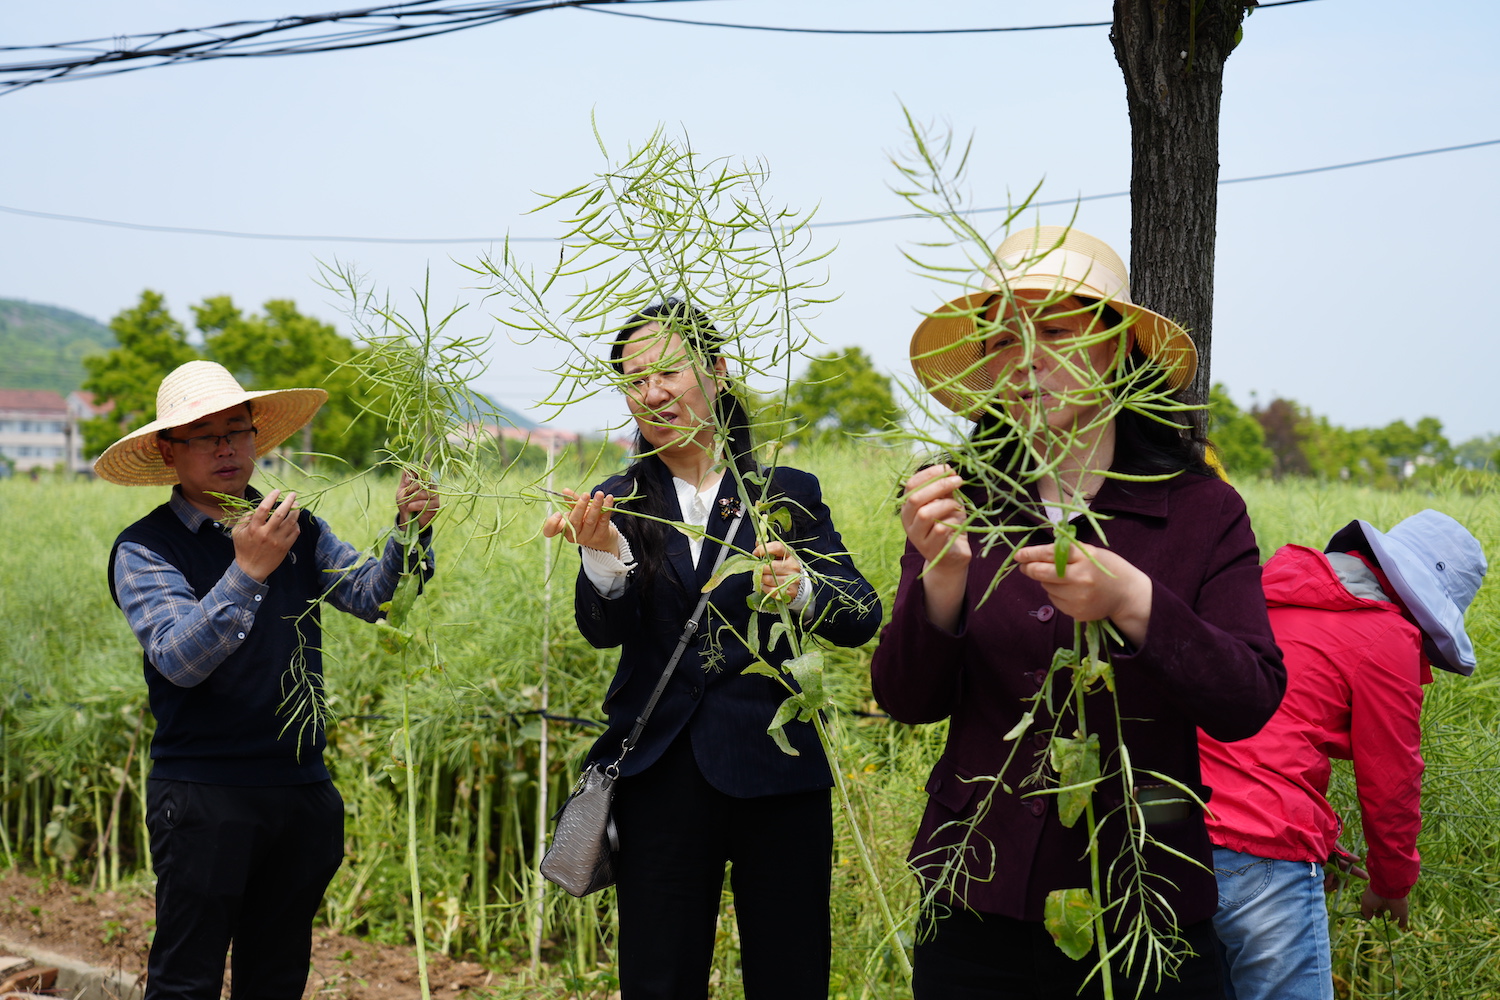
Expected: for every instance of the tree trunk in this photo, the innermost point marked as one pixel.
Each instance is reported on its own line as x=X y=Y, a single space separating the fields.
x=1172 y=53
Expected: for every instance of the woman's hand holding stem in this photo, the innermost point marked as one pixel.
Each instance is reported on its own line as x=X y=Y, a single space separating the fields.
x=933 y=516
x=587 y=522
x=1098 y=583
x=782 y=574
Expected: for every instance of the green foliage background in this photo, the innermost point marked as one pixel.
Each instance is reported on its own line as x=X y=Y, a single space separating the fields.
x=71 y=697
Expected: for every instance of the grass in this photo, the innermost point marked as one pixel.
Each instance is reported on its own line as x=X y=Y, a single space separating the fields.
x=72 y=699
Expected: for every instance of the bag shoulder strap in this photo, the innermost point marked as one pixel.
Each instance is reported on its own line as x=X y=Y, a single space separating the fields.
x=689 y=630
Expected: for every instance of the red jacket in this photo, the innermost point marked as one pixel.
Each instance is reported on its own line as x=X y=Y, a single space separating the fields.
x=1355 y=672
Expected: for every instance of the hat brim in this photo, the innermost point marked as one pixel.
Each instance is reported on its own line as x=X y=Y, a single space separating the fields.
x=949 y=359
x=134 y=460
x=1442 y=622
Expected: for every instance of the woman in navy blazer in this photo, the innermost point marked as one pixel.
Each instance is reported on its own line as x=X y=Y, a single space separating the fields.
x=706 y=786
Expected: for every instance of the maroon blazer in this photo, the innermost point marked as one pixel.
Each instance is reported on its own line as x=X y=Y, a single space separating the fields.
x=1209 y=660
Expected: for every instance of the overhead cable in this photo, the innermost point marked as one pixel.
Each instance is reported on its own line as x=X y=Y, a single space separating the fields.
x=362 y=27
x=882 y=31
x=815 y=225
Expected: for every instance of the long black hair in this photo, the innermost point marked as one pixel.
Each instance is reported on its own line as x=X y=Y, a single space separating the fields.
x=650 y=485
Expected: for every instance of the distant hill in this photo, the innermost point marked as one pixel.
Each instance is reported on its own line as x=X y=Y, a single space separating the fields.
x=42 y=347
x=486 y=410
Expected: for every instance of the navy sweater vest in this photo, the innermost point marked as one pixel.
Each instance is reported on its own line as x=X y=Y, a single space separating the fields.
x=231 y=729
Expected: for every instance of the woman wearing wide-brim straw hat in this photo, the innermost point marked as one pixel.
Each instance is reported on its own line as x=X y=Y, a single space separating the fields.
x=246 y=826
x=1045 y=360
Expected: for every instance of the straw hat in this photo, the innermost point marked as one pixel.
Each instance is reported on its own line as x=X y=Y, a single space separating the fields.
x=193 y=391
x=1435 y=566
x=1052 y=259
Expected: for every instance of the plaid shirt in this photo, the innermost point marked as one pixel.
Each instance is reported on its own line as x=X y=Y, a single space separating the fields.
x=186 y=637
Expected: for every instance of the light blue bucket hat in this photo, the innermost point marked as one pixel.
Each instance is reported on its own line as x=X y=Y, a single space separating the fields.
x=1436 y=566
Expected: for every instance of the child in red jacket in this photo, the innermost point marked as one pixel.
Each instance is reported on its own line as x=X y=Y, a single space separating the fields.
x=1359 y=628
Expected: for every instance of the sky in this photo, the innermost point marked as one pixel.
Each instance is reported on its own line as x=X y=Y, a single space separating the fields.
x=1356 y=292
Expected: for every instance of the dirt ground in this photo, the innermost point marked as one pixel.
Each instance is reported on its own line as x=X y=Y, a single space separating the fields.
x=111 y=930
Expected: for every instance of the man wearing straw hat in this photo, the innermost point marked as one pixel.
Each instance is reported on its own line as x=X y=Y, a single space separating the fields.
x=246 y=826
x=1360 y=626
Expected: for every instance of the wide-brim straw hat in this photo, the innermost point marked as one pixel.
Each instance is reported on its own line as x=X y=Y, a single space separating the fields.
x=191 y=392
x=947 y=356
x=1435 y=566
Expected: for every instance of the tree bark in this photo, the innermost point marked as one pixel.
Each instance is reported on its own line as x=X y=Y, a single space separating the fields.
x=1172 y=53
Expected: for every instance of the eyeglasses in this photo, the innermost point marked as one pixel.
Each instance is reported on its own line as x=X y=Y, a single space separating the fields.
x=207 y=444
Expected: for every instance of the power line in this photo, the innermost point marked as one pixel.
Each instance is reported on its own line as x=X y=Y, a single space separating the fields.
x=1222 y=182
x=817 y=225
x=363 y=27
x=884 y=31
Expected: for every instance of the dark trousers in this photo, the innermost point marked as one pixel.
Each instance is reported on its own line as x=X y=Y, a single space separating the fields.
x=241 y=864
x=677 y=833
x=970 y=956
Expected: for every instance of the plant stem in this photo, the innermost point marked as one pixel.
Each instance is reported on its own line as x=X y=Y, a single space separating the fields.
x=865 y=859
x=419 y=926
x=538 y=885
x=1105 y=977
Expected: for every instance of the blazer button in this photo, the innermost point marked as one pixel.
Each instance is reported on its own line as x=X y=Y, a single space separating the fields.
x=1041 y=741
x=696 y=693
x=1045 y=613
x=1037 y=806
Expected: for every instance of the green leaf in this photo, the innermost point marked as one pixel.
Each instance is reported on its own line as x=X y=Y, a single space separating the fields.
x=786 y=713
x=731 y=566
x=807 y=671
x=1069 y=917
x=1061 y=547
x=403 y=600
x=763 y=668
x=392 y=639
x=766 y=604
x=781 y=519
x=1090 y=671
x=1076 y=761
x=778 y=631
x=1019 y=729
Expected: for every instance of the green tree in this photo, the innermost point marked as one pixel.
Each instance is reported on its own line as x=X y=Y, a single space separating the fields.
x=1406 y=448
x=1238 y=437
x=283 y=348
x=152 y=343
x=841 y=393
x=1479 y=452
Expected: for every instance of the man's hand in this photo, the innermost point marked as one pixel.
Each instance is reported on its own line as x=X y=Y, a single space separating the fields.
x=264 y=536
x=586 y=523
x=1372 y=905
x=415 y=498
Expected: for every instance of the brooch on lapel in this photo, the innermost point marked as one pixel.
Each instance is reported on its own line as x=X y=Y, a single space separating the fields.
x=729 y=507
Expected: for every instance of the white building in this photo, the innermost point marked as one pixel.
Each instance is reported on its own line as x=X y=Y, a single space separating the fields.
x=39 y=429
x=36 y=429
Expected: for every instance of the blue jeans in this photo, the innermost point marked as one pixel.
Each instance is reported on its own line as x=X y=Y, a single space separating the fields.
x=1272 y=924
